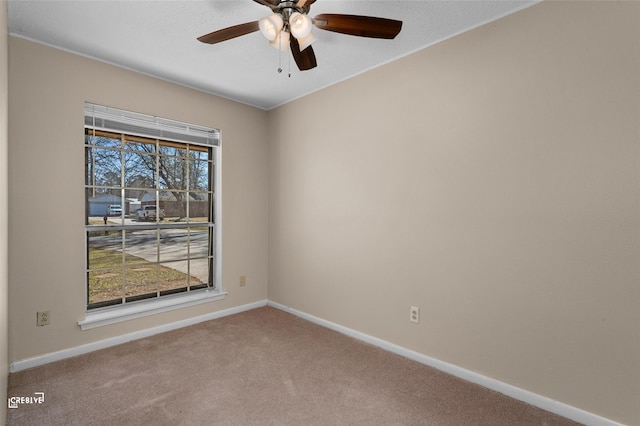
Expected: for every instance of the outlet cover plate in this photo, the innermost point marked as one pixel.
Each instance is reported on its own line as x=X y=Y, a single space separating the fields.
x=414 y=314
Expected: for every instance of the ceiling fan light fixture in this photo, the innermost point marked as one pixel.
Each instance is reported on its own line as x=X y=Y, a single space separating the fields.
x=281 y=42
x=306 y=41
x=271 y=26
x=300 y=25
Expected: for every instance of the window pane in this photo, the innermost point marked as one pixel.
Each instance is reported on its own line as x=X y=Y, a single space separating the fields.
x=106 y=167
x=199 y=269
x=102 y=141
x=105 y=285
x=141 y=281
x=172 y=149
x=173 y=275
x=141 y=145
x=199 y=153
x=199 y=175
x=140 y=170
x=131 y=205
x=199 y=241
x=148 y=212
x=172 y=173
x=141 y=246
x=174 y=204
x=199 y=206
x=174 y=244
x=101 y=203
x=104 y=249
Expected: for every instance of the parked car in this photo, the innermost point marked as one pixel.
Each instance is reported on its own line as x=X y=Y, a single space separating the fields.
x=114 y=210
x=147 y=213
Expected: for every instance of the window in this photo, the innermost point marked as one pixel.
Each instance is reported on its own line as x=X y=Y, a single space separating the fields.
x=150 y=208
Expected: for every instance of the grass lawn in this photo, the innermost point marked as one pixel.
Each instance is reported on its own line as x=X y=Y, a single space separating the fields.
x=142 y=277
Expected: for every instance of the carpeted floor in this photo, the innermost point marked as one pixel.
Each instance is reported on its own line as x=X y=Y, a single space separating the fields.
x=261 y=367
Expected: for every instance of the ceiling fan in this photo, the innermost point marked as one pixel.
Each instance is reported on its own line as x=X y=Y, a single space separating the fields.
x=289 y=27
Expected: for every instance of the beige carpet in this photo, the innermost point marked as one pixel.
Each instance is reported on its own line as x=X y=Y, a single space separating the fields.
x=262 y=367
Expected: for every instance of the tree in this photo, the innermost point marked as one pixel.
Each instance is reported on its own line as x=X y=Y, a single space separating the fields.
x=178 y=169
x=147 y=165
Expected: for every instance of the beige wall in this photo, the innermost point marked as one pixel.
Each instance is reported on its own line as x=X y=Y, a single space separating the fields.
x=46 y=205
x=491 y=180
x=4 y=317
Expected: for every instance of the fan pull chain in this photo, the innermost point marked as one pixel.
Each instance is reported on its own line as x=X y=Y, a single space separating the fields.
x=279 y=56
x=280 y=52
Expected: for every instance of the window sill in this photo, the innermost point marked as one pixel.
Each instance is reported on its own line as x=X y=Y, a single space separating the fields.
x=130 y=311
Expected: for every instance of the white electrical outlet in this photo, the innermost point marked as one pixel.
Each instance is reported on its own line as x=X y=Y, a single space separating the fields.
x=414 y=314
x=42 y=318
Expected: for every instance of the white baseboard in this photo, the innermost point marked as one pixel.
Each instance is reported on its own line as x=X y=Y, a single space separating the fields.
x=531 y=398
x=102 y=344
x=528 y=397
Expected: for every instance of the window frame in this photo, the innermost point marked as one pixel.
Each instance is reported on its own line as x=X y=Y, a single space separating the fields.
x=125 y=310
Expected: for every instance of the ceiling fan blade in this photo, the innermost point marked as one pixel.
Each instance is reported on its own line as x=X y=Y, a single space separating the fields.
x=363 y=26
x=268 y=3
x=229 y=33
x=305 y=59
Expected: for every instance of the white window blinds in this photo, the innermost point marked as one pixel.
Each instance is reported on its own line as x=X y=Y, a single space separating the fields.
x=100 y=117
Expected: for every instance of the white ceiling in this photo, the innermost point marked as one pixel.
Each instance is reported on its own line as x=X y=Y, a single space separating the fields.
x=158 y=38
